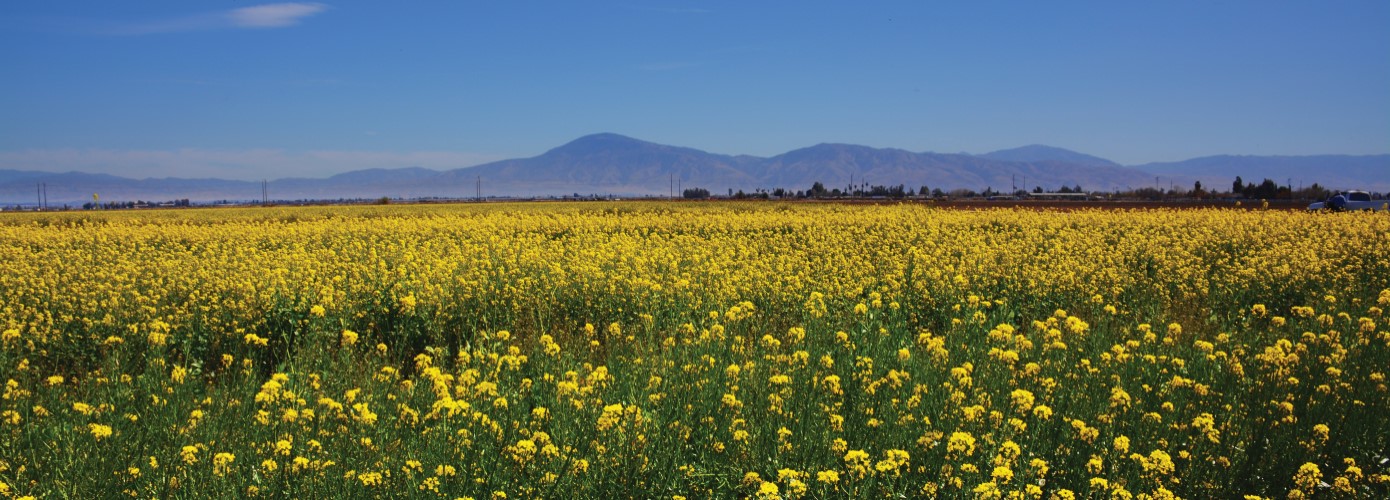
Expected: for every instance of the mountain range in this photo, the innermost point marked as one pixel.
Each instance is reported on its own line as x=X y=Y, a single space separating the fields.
x=619 y=165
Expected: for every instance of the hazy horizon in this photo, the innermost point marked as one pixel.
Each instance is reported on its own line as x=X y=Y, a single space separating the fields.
x=275 y=156
x=251 y=91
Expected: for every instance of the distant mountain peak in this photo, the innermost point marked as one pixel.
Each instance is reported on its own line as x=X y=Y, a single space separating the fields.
x=840 y=146
x=605 y=140
x=618 y=164
x=1038 y=152
x=826 y=151
x=384 y=174
x=616 y=150
x=606 y=136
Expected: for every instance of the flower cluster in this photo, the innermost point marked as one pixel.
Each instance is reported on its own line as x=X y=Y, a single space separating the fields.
x=703 y=350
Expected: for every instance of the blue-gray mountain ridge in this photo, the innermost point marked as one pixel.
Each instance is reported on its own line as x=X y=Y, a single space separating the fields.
x=618 y=165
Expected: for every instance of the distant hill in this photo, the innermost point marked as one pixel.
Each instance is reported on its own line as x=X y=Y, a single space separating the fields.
x=1371 y=172
x=387 y=175
x=842 y=162
x=610 y=163
x=1037 y=153
x=619 y=165
x=20 y=175
x=77 y=187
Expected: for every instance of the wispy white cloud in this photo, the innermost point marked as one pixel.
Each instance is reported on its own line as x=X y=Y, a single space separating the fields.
x=275 y=15
x=242 y=164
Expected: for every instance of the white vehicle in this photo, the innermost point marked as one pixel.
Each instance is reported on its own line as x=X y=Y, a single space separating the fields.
x=1350 y=200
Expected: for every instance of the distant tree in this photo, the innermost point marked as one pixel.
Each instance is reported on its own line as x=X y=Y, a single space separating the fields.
x=923 y=191
x=1197 y=189
x=817 y=190
x=1147 y=193
x=1264 y=190
x=1238 y=186
x=1037 y=189
x=1314 y=192
x=695 y=193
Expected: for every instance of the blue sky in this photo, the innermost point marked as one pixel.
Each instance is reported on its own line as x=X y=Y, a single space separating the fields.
x=249 y=90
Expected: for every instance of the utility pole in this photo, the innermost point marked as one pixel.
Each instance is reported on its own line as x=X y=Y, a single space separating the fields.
x=38 y=192
x=672 y=187
x=265 y=192
x=479 y=188
x=45 y=196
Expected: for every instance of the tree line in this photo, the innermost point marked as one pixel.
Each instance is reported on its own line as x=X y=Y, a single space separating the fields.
x=1268 y=189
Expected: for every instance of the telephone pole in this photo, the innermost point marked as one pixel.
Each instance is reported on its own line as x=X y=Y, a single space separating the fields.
x=480 y=188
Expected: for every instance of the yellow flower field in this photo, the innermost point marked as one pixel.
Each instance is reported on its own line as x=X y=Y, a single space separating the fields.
x=677 y=350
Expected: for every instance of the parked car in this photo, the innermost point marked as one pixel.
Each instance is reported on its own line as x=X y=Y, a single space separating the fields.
x=1350 y=200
